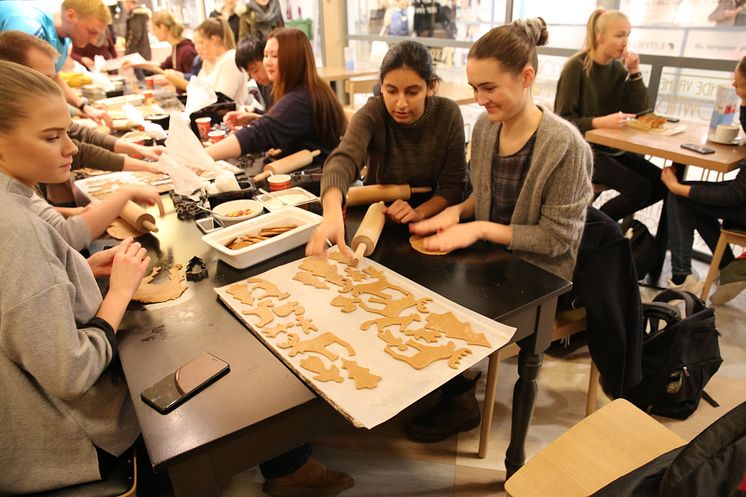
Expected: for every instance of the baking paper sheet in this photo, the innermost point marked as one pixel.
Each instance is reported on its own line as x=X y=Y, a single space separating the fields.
x=401 y=384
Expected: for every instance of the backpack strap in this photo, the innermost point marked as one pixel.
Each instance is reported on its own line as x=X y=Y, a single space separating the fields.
x=656 y=313
x=693 y=304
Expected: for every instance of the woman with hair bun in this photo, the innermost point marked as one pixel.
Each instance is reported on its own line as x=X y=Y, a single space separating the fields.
x=530 y=173
x=405 y=135
x=602 y=87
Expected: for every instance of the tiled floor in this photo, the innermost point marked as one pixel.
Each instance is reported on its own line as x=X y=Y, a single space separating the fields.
x=384 y=463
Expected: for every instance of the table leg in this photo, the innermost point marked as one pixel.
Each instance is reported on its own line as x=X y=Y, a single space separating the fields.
x=194 y=478
x=524 y=395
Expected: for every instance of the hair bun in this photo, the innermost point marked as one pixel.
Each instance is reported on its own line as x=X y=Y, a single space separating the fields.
x=535 y=28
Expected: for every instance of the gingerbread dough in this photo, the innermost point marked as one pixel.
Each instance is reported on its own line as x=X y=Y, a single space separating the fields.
x=317 y=344
x=151 y=293
x=121 y=229
x=416 y=242
x=241 y=292
x=316 y=365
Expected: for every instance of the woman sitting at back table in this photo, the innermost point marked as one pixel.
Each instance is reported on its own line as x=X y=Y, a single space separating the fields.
x=305 y=115
x=405 y=136
x=602 y=87
x=183 y=52
x=700 y=205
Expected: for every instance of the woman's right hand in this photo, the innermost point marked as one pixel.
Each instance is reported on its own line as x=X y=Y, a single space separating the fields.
x=331 y=228
x=237 y=118
x=612 y=121
x=445 y=219
x=128 y=268
x=146 y=195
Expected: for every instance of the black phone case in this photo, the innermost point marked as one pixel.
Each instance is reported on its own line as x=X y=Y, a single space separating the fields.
x=698 y=148
x=209 y=381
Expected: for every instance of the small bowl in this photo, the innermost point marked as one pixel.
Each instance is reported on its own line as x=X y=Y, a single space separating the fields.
x=279 y=182
x=228 y=212
x=161 y=119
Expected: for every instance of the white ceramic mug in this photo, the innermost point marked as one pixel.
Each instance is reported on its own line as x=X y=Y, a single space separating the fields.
x=726 y=132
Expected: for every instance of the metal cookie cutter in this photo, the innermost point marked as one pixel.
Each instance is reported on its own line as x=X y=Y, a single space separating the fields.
x=196 y=269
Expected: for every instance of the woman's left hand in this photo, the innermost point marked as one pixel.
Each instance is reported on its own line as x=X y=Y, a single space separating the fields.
x=401 y=212
x=152 y=152
x=100 y=262
x=455 y=237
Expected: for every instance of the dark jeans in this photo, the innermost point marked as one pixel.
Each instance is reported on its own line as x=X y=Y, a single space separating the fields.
x=636 y=179
x=286 y=463
x=684 y=216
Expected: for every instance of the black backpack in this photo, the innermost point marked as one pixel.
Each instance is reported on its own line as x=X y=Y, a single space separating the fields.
x=679 y=355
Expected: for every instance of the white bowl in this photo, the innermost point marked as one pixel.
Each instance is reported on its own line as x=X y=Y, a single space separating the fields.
x=305 y=222
x=222 y=211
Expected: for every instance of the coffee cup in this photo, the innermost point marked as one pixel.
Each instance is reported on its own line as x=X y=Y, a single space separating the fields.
x=726 y=132
x=150 y=82
x=279 y=182
x=204 y=124
x=216 y=135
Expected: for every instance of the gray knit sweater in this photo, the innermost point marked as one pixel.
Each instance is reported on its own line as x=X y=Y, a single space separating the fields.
x=74 y=230
x=549 y=215
x=429 y=152
x=59 y=393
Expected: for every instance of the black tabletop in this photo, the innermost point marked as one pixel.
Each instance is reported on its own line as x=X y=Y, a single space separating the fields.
x=156 y=339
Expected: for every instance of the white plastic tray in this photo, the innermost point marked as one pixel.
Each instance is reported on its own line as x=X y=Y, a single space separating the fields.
x=253 y=254
x=285 y=198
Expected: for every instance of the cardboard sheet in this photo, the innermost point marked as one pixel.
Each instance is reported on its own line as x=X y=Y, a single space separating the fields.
x=326 y=334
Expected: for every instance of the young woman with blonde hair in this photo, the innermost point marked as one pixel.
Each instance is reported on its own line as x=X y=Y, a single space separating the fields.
x=166 y=28
x=214 y=42
x=70 y=406
x=305 y=114
x=601 y=87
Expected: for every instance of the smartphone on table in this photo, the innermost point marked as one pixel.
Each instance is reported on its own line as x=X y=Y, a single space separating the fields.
x=173 y=390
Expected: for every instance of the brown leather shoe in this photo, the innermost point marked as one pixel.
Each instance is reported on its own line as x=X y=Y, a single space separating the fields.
x=313 y=479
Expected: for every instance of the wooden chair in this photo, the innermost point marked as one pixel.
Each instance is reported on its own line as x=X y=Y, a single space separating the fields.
x=359 y=85
x=727 y=236
x=565 y=324
x=120 y=482
x=604 y=446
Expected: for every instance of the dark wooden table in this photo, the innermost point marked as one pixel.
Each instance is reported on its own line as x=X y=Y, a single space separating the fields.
x=260 y=409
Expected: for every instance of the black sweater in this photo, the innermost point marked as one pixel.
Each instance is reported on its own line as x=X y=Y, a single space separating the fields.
x=726 y=193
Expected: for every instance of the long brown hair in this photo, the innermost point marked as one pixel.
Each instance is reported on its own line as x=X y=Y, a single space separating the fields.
x=297 y=68
x=597 y=23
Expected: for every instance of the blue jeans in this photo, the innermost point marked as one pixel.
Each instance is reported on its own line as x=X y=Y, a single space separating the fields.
x=684 y=216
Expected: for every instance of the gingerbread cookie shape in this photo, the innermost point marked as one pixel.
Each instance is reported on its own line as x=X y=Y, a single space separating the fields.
x=393 y=307
x=277 y=329
x=242 y=293
x=270 y=289
x=320 y=267
x=428 y=354
x=316 y=365
x=416 y=241
x=362 y=377
x=381 y=323
x=172 y=288
x=453 y=328
x=309 y=279
x=306 y=324
x=340 y=257
x=347 y=304
x=290 y=308
x=317 y=344
x=263 y=311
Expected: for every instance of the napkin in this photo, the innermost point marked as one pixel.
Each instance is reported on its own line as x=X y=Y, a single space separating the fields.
x=184 y=146
x=199 y=95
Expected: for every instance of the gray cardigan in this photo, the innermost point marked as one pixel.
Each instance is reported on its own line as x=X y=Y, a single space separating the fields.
x=74 y=230
x=549 y=215
x=60 y=394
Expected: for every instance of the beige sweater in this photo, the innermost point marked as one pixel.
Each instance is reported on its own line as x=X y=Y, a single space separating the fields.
x=549 y=216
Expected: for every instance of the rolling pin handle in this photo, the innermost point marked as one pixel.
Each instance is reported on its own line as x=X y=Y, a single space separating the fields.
x=263 y=175
x=150 y=226
x=359 y=252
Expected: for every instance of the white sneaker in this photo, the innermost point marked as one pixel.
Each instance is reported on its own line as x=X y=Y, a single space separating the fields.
x=727 y=292
x=690 y=284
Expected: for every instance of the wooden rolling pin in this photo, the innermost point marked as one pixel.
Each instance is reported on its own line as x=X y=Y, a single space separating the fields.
x=366 y=236
x=287 y=164
x=138 y=218
x=364 y=195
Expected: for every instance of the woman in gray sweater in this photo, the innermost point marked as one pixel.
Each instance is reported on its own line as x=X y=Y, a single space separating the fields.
x=531 y=174
x=405 y=136
x=59 y=391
